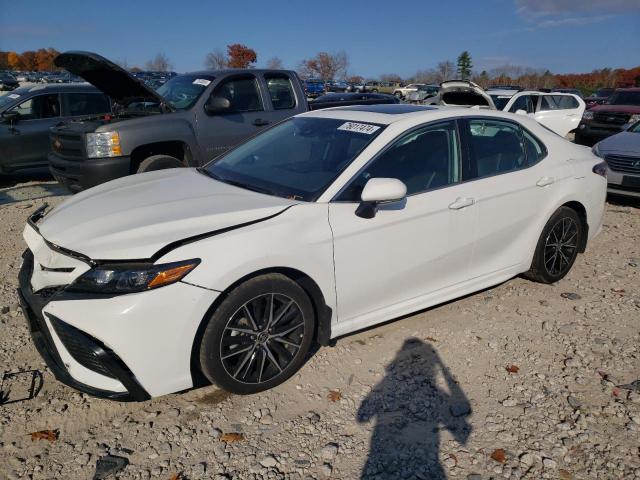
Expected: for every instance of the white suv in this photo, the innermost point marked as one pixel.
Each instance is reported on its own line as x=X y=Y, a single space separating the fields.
x=560 y=112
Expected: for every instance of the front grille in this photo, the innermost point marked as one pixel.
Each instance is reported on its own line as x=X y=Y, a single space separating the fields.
x=82 y=347
x=623 y=164
x=611 y=118
x=68 y=146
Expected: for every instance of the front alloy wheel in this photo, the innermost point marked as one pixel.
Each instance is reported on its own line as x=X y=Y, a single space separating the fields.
x=258 y=336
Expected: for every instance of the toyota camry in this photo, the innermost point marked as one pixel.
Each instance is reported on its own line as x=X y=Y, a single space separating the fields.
x=327 y=223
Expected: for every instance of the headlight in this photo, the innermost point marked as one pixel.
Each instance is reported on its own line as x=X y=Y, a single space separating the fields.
x=587 y=115
x=103 y=144
x=131 y=277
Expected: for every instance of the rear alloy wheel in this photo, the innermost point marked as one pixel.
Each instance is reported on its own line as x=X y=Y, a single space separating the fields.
x=159 y=162
x=557 y=247
x=258 y=336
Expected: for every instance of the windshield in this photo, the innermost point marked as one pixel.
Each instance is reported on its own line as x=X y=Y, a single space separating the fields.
x=296 y=159
x=635 y=128
x=603 y=92
x=181 y=92
x=624 y=98
x=500 y=101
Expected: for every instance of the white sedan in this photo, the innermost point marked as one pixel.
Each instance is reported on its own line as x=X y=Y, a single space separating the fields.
x=327 y=223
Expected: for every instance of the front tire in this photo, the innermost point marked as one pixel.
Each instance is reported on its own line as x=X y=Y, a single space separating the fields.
x=259 y=336
x=159 y=162
x=557 y=247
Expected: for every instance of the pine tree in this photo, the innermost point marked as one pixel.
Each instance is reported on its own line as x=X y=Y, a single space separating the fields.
x=464 y=65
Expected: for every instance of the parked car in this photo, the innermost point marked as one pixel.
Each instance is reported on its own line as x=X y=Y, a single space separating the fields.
x=27 y=113
x=8 y=82
x=461 y=93
x=602 y=121
x=560 y=112
x=598 y=97
x=622 y=154
x=336 y=86
x=401 y=92
x=313 y=88
x=232 y=271
x=573 y=91
x=189 y=120
x=422 y=93
x=351 y=98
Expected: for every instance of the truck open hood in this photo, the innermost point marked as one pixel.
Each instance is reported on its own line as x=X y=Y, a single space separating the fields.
x=462 y=93
x=136 y=216
x=108 y=77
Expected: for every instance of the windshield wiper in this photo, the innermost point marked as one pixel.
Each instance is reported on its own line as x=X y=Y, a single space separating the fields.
x=235 y=183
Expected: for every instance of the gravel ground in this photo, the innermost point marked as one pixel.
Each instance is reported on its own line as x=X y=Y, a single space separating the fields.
x=519 y=381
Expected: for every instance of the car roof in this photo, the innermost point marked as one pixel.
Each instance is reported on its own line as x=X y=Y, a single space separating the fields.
x=55 y=88
x=239 y=71
x=497 y=91
x=388 y=114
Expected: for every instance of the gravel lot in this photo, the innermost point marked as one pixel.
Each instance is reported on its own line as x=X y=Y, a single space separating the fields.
x=519 y=381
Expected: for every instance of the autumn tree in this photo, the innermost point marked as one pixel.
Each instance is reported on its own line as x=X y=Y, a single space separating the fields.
x=14 y=61
x=327 y=66
x=275 y=63
x=160 y=63
x=464 y=65
x=355 y=79
x=241 y=56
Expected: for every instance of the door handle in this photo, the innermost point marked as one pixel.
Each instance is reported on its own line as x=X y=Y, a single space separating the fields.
x=544 y=181
x=258 y=122
x=461 y=203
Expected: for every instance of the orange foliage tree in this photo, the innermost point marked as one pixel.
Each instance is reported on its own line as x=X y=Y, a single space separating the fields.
x=240 y=56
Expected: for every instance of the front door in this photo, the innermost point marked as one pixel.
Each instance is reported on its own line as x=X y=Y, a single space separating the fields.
x=389 y=264
x=246 y=116
x=27 y=140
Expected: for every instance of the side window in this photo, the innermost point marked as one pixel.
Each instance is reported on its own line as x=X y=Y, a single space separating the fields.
x=424 y=159
x=565 y=102
x=496 y=147
x=520 y=104
x=243 y=93
x=86 y=104
x=535 y=150
x=40 y=106
x=281 y=92
x=549 y=102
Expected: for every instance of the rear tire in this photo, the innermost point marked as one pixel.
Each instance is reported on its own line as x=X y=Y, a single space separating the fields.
x=557 y=247
x=159 y=162
x=259 y=336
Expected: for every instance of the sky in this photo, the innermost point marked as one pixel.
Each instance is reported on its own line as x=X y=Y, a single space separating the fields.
x=565 y=36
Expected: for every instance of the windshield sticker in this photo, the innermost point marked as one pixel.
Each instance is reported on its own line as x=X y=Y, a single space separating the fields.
x=202 y=81
x=13 y=95
x=358 y=127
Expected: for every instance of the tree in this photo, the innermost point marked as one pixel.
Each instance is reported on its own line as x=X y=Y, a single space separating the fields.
x=327 y=66
x=275 y=63
x=390 y=78
x=241 y=56
x=482 y=79
x=216 y=60
x=445 y=71
x=45 y=58
x=14 y=61
x=355 y=79
x=464 y=65
x=160 y=63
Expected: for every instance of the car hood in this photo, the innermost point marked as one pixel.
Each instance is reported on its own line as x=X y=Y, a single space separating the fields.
x=135 y=217
x=616 y=108
x=623 y=142
x=462 y=93
x=113 y=80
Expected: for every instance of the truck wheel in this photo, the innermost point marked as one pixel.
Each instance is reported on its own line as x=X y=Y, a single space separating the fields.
x=159 y=162
x=398 y=95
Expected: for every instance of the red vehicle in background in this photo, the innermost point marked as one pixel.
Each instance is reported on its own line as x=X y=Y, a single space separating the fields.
x=598 y=97
x=620 y=110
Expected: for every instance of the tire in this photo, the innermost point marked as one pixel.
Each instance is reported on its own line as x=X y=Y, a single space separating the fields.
x=375 y=90
x=159 y=162
x=398 y=95
x=551 y=260
x=265 y=357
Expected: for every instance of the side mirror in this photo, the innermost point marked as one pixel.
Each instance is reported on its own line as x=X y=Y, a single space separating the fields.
x=377 y=191
x=217 y=105
x=10 y=117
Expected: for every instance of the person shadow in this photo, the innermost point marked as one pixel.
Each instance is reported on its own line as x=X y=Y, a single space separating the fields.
x=411 y=408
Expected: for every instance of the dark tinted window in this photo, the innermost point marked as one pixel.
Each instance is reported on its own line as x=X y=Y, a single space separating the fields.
x=86 y=103
x=496 y=147
x=281 y=92
x=558 y=102
x=243 y=93
x=423 y=159
x=535 y=150
x=520 y=103
x=40 y=106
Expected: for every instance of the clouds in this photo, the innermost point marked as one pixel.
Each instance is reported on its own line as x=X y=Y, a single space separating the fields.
x=576 y=8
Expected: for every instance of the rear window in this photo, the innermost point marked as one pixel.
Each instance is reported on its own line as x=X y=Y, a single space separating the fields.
x=281 y=92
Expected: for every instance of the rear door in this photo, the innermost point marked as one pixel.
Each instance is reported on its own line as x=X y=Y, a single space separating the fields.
x=560 y=113
x=27 y=141
x=248 y=114
x=284 y=102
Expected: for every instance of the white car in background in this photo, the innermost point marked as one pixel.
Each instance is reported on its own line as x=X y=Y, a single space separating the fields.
x=327 y=223
x=560 y=112
x=402 y=92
